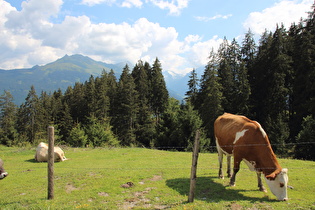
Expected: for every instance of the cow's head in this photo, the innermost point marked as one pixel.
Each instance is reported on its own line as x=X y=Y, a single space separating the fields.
x=278 y=184
x=3 y=173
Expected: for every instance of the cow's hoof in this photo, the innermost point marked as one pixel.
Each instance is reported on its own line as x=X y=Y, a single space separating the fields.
x=221 y=177
x=232 y=184
x=263 y=189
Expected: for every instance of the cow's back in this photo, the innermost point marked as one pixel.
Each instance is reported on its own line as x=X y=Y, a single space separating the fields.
x=226 y=126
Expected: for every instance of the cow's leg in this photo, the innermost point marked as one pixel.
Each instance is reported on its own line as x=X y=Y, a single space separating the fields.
x=235 y=170
x=229 y=165
x=220 y=158
x=260 y=184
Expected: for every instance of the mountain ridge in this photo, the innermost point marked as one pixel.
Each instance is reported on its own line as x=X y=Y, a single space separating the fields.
x=62 y=73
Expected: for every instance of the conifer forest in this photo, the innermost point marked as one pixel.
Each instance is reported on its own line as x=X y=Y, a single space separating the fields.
x=271 y=81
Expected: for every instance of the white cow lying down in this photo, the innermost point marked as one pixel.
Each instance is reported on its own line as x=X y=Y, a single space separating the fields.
x=42 y=153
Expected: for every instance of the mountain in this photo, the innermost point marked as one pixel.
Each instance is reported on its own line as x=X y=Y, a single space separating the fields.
x=179 y=84
x=62 y=73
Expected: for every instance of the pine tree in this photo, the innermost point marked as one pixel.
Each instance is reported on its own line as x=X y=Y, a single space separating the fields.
x=190 y=121
x=112 y=91
x=226 y=72
x=145 y=130
x=249 y=50
x=99 y=133
x=278 y=90
x=306 y=139
x=75 y=99
x=44 y=114
x=159 y=94
x=102 y=98
x=210 y=95
x=27 y=117
x=248 y=54
x=243 y=91
x=124 y=119
x=303 y=96
x=259 y=78
x=90 y=97
x=170 y=134
x=77 y=136
x=56 y=106
x=191 y=94
x=8 y=110
x=65 y=122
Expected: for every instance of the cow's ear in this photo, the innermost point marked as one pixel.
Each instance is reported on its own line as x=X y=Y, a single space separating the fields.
x=271 y=176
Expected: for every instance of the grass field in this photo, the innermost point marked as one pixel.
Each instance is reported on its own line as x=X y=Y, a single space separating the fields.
x=92 y=179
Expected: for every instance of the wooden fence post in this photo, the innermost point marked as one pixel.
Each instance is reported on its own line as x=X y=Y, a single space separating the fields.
x=51 y=160
x=193 y=173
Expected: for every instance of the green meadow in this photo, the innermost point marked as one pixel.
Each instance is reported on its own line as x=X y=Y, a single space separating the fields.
x=93 y=179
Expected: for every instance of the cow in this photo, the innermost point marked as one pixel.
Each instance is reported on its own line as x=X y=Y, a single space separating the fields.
x=3 y=173
x=42 y=153
x=246 y=140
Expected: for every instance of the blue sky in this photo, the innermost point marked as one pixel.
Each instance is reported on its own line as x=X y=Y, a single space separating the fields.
x=181 y=33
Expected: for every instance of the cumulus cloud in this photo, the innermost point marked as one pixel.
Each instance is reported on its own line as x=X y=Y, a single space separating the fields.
x=284 y=12
x=207 y=19
x=95 y=2
x=132 y=3
x=174 y=6
x=200 y=51
x=37 y=40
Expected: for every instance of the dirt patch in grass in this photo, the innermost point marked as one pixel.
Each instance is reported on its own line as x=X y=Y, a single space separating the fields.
x=70 y=188
x=104 y=194
x=156 y=178
x=138 y=199
x=235 y=206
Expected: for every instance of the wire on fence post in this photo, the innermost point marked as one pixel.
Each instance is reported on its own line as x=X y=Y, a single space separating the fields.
x=193 y=173
x=51 y=160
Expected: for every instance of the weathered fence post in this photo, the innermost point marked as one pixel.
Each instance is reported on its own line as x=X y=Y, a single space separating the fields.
x=51 y=160
x=193 y=173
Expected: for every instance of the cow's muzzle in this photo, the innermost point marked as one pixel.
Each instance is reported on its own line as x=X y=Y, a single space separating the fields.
x=3 y=175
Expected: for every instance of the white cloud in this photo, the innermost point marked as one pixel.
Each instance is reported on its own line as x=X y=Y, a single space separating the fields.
x=285 y=12
x=192 y=38
x=174 y=6
x=207 y=19
x=132 y=3
x=199 y=52
x=41 y=41
x=95 y=2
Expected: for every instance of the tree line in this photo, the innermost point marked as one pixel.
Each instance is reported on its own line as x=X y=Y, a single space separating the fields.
x=272 y=82
x=134 y=110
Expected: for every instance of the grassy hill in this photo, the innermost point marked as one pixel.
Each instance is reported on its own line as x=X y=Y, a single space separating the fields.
x=92 y=178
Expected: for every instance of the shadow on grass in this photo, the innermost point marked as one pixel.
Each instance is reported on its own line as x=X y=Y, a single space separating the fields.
x=31 y=160
x=208 y=190
x=35 y=161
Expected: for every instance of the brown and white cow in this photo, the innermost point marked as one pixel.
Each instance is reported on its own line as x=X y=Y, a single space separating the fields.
x=246 y=140
x=42 y=153
x=3 y=173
